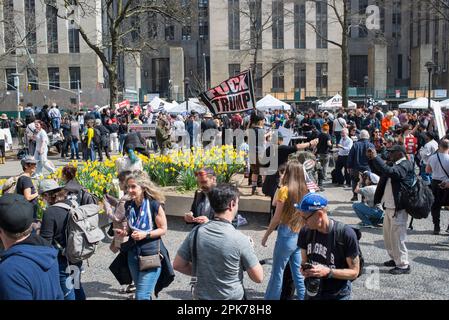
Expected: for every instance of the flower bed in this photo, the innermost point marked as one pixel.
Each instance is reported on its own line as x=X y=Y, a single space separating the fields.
x=176 y=169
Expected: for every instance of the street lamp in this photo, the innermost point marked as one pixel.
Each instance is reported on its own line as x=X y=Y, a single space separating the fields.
x=365 y=82
x=186 y=94
x=430 y=65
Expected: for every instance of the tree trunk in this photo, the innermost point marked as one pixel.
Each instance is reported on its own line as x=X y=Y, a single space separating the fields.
x=345 y=57
x=344 y=71
x=113 y=89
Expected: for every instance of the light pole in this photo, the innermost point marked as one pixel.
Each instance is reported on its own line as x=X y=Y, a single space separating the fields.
x=79 y=94
x=186 y=94
x=204 y=67
x=429 y=65
x=365 y=82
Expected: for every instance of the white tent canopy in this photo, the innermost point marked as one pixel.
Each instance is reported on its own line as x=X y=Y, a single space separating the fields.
x=270 y=102
x=444 y=104
x=336 y=102
x=420 y=103
x=158 y=104
x=193 y=106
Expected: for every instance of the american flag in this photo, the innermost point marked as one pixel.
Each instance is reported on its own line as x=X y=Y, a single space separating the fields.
x=311 y=185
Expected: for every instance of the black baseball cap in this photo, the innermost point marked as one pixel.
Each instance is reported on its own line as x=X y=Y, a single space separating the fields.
x=397 y=147
x=16 y=213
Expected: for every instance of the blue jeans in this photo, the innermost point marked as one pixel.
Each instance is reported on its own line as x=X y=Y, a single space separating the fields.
x=74 y=149
x=368 y=215
x=121 y=139
x=344 y=294
x=145 y=281
x=426 y=177
x=286 y=250
x=72 y=289
x=55 y=123
x=89 y=153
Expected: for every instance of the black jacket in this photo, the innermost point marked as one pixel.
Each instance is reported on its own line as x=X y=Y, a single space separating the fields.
x=400 y=174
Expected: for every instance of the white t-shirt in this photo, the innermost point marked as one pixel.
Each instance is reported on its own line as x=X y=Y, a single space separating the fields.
x=437 y=171
x=42 y=140
x=339 y=124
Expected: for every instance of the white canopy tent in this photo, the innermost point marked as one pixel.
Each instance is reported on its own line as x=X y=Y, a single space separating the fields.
x=193 y=106
x=269 y=102
x=444 y=104
x=420 y=103
x=157 y=104
x=335 y=103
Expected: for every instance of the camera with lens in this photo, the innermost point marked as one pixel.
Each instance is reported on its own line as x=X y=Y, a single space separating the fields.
x=312 y=284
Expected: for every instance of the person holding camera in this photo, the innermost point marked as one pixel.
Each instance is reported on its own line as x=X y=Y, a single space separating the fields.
x=369 y=214
x=329 y=251
x=395 y=174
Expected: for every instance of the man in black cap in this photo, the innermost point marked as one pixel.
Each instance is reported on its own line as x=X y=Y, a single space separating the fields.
x=399 y=171
x=28 y=267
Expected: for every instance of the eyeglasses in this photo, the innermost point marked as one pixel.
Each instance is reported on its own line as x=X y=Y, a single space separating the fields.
x=305 y=219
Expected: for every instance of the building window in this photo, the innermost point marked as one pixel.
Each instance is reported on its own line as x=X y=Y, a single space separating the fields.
x=30 y=26
x=300 y=25
x=169 y=31
x=52 y=29
x=53 y=78
x=278 y=78
x=75 y=76
x=363 y=31
x=203 y=3
x=277 y=27
x=321 y=79
x=234 y=69
x=135 y=26
x=9 y=26
x=257 y=80
x=203 y=30
x=234 y=24
x=33 y=79
x=300 y=75
x=152 y=25
x=74 y=40
x=255 y=15
x=399 y=66
x=10 y=79
x=186 y=33
x=321 y=25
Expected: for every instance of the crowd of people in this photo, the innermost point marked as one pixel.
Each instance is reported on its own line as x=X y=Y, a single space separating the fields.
x=373 y=153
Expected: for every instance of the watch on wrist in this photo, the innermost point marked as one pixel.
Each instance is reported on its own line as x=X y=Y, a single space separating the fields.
x=148 y=235
x=330 y=275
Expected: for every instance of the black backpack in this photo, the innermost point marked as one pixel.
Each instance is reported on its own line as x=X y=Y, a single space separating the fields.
x=339 y=239
x=97 y=137
x=417 y=200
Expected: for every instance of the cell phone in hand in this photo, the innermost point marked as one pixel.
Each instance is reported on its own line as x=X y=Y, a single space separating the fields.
x=307 y=266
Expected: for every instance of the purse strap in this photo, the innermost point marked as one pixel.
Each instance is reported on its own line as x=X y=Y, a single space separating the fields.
x=438 y=156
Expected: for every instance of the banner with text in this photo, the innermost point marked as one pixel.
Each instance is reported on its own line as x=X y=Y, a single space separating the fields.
x=233 y=95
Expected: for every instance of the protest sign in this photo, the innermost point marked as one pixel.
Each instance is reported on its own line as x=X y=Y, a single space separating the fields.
x=235 y=94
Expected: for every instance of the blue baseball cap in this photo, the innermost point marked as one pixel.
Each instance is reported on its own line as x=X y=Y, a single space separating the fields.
x=311 y=203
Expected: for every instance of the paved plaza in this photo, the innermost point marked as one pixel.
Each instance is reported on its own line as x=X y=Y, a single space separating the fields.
x=429 y=256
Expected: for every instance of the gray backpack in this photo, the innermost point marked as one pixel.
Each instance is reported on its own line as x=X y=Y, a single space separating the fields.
x=82 y=232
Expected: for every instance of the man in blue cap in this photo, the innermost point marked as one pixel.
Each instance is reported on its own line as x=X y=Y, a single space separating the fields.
x=330 y=252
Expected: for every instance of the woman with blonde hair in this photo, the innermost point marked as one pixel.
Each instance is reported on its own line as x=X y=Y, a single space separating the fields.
x=289 y=224
x=147 y=223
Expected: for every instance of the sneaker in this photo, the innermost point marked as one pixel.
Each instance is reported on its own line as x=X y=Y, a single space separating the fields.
x=390 y=263
x=447 y=230
x=398 y=271
x=355 y=198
